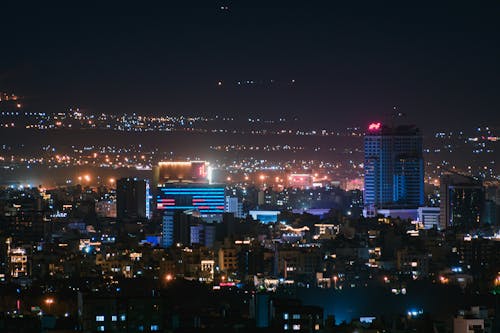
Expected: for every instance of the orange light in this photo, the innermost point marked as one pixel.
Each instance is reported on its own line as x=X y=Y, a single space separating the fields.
x=169 y=277
x=174 y=163
x=443 y=280
x=49 y=301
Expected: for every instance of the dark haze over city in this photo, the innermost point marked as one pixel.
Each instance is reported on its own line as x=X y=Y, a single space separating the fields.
x=338 y=63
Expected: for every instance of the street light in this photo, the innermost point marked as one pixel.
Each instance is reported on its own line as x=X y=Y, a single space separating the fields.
x=49 y=301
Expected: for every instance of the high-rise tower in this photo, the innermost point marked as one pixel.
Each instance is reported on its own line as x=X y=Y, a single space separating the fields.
x=462 y=199
x=132 y=200
x=394 y=168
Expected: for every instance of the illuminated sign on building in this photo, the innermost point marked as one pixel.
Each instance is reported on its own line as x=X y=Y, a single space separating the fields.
x=186 y=172
x=206 y=199
x=300 y=180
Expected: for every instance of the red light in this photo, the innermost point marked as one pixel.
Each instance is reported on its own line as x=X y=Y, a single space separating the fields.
x=201 y=171
x=374 y=126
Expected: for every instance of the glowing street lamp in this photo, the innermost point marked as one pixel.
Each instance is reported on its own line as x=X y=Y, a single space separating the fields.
x=49 y=301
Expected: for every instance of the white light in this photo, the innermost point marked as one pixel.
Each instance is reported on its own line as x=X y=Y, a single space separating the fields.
x=209 y=174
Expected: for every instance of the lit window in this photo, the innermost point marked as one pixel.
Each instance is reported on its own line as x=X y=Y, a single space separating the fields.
x=296 y=316
x=296 y=327
x=285 y=316
x=114 y=318
x=99 y=318
x=122 y=317
x=285 y=327
x=100 y=328
x=316 y=327
x=155 y=328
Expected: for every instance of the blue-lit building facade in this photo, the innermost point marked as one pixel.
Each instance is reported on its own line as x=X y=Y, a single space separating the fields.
x=207 y=199
x=394 y=168
x=203 y=200
x=183 y=190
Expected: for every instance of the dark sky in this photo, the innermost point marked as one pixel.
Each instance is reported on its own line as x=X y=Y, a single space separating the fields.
x=351 y=61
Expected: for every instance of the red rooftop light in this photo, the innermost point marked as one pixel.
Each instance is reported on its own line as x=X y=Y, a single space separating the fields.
x=374 y=126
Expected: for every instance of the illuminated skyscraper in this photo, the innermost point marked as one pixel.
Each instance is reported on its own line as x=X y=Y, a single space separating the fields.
x=182 y=189
x=195 y=172
x=186 y=185
x=394 y=168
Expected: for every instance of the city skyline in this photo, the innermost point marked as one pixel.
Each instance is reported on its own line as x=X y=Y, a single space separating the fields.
x=250 y=167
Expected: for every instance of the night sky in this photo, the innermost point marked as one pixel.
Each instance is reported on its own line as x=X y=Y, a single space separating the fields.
x=346 y=62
